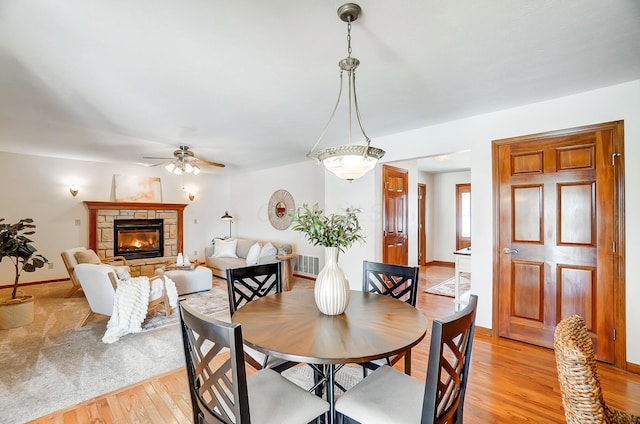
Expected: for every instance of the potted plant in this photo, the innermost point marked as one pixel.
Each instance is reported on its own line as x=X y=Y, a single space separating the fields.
x=336 y=232
x=15 y=245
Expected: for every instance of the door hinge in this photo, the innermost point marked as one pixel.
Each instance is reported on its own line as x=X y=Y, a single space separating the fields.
x=614 y=334
x=613 y=158
x=614 y=246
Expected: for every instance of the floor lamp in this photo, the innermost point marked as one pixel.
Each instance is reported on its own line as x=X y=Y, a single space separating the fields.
x=227 y=217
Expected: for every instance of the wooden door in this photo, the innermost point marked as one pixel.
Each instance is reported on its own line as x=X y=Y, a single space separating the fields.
x=557 y=212
x=422 y=236
x=395 y=215
x=463 y=216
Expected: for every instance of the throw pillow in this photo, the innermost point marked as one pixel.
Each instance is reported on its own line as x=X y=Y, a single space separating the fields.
x=254 y=254
x=268 y=250
x=122 y=272
x=87 y=257
x=225 y=248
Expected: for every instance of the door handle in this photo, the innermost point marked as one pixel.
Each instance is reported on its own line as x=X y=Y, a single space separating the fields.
x=507 y=251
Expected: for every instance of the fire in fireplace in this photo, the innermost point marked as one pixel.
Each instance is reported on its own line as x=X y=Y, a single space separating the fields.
x=138 y=238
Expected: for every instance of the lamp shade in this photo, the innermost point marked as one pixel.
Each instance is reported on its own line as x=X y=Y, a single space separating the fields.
x=226 y=216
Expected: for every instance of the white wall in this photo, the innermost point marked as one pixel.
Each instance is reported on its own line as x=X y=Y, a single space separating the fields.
x=444 y=213
x=38 y=188
x=621 y=102
x=250 y=194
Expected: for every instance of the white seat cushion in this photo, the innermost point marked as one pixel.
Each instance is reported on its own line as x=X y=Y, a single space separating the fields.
x=272 y=361
x=275 y=400
x=386 y=396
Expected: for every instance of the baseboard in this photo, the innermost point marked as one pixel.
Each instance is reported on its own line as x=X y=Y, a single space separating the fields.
x=634 y=368
x=441 y=263
x=34 y=283
x=483 y=331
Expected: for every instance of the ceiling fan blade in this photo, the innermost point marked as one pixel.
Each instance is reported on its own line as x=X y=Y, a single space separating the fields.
x=154 y=157
x=158 y=164
x=206 y=162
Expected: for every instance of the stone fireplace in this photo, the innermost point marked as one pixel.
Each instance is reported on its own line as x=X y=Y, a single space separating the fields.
x=102 y=219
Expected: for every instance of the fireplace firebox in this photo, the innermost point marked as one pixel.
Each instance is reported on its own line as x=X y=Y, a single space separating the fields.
x=138 y=238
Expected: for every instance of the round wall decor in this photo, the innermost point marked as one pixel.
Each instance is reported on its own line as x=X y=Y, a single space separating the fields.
x=280 y=206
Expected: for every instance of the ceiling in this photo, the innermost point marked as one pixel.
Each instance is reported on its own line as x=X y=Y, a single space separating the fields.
x=252 y=83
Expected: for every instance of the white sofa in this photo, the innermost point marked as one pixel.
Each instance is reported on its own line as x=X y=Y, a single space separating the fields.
x=219 y=265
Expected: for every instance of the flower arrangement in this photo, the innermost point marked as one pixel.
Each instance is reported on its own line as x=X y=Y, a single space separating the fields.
x=333 y=230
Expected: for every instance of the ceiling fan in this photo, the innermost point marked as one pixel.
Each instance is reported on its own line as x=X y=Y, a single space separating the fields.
x=184 y=161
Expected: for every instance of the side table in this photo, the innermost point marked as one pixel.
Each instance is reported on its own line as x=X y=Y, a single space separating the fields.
x=287 y=270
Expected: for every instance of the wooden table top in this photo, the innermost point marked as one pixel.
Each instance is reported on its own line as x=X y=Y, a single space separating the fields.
x=289 y=325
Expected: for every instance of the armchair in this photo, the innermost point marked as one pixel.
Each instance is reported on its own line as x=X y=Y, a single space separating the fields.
x=74 y=256
x=99 y=284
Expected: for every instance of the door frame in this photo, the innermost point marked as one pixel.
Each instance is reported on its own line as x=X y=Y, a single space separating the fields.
x=422 y=223
x=619 y=278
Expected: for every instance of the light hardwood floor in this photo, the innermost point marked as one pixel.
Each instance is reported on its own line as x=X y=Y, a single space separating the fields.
x=510 y=382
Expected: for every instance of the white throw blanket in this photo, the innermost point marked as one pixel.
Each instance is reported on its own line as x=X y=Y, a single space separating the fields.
x=131 y=305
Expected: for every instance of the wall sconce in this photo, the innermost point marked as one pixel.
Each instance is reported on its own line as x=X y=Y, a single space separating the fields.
x=192 y=195
x=74 y=189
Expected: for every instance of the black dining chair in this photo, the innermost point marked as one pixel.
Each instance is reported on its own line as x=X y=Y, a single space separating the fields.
x=399 y=282
x=390 y=396
x=249 y=283
x=219 y=387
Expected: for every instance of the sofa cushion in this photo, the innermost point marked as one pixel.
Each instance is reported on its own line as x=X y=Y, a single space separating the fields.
x=243 y=247
x=254 y=254
x=268 y=250
x=87 y=257
x=225 y=248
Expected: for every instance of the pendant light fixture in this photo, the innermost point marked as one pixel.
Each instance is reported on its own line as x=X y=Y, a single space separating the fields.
x=349 y=161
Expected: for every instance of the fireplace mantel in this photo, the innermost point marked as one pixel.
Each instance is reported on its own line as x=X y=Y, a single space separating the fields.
x=94 y=207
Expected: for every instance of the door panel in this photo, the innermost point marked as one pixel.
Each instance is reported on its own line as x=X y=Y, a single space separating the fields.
x=395 y=197
x=556 y=237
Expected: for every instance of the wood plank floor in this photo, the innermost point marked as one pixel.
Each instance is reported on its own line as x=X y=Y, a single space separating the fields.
x=510 y=382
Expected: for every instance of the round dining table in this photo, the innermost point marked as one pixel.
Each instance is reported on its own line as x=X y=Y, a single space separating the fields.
x=290 y=326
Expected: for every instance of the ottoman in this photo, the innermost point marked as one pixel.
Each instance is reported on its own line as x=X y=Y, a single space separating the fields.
x=189 y=280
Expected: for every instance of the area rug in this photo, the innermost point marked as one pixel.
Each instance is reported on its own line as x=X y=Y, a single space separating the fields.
x=447 y=287
x=347 y=376
x=50 y=364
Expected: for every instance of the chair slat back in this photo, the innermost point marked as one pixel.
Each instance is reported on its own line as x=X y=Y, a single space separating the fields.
x=577 y=372
x=217 y=383
x=248 y=283
x=448 y=366
x=398 y=281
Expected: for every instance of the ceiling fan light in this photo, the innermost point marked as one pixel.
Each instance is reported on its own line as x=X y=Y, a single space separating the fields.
x=177 y=171
x=188 y=168
x=196 y=169
x=170 y=166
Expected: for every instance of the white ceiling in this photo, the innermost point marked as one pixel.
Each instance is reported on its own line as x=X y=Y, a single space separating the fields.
x=251 y=83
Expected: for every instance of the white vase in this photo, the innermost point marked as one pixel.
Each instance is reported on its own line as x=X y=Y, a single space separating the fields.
x=331 y=290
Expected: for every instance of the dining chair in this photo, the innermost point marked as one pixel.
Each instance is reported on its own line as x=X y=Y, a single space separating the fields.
x=399 y=282
x=249 y=283
x=221 y=391
x=578 y=376
x=390 y=396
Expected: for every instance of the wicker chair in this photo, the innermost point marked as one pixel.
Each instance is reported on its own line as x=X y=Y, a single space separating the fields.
x=578 y=376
